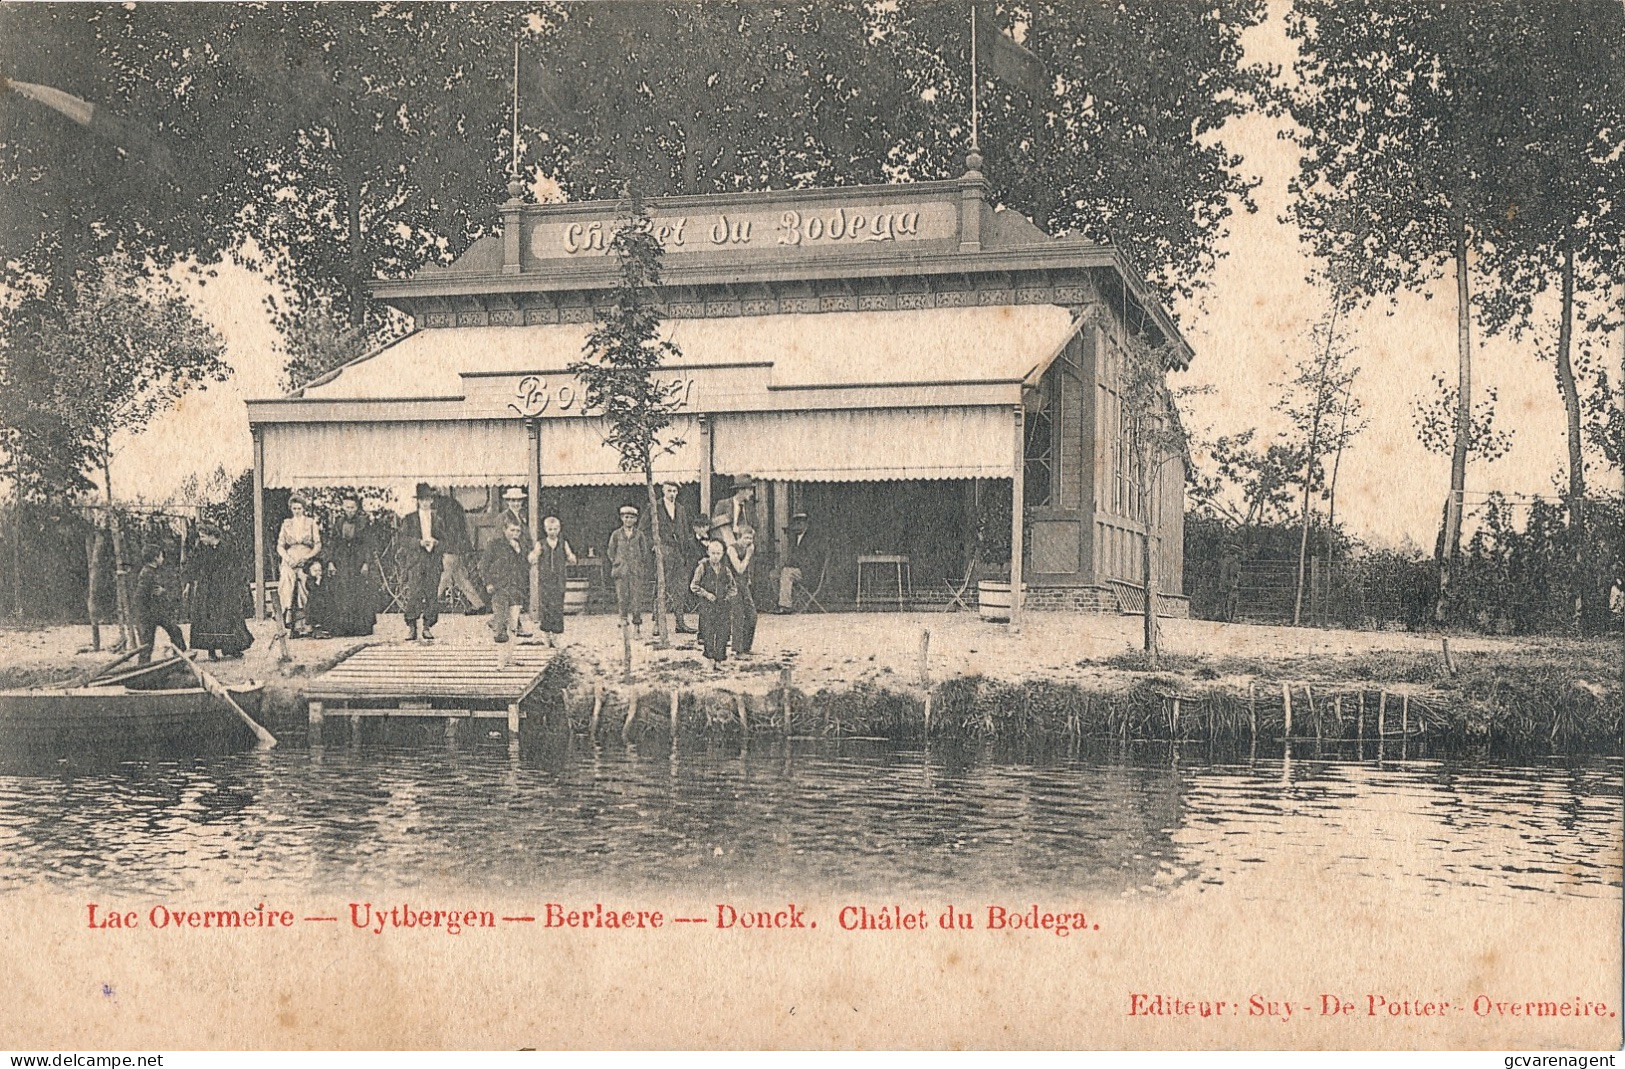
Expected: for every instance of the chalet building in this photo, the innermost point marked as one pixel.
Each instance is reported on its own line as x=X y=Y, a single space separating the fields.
x=903 y=363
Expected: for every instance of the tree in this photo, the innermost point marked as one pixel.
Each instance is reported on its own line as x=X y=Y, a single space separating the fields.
x=1125 y=150
x=618 y=373
x=726 y=96
x=1325 y=417
x=1156 y=437
x=1401 y=115
x=714 y=97
x=1565 y=230
x=127 y=348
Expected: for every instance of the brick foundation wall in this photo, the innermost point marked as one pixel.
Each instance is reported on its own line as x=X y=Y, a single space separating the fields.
x=1092 y=599
x=1070 y=599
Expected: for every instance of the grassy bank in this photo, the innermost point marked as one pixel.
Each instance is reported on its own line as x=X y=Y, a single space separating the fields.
x=1548 y=705
x=910 y=676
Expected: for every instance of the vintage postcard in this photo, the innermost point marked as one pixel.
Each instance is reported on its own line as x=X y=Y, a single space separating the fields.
x=821 y=524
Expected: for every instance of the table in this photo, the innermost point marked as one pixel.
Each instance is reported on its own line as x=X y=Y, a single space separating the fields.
x=905 y=574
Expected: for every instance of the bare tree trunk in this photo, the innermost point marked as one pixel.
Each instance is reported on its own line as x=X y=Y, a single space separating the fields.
x=1337 y=462
x=662 y=634
x=1149 y=620
x=121 y=582
x=93 y=553
x=16 y=530
x=1309 y=464
x=1577 y=479
x=358 y=256
x=1464 y=419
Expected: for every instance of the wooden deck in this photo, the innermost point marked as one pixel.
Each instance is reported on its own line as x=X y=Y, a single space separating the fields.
x=454 y=681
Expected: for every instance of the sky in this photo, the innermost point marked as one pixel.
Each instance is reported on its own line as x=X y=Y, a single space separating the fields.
x=1248 y=326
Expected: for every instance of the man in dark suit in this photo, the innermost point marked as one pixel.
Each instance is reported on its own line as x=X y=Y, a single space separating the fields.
x=675 y=524
x=803 y=561
x=457 y=552
x=420 y=550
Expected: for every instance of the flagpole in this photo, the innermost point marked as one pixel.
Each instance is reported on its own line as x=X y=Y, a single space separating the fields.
x=975 y=107
x=513 y=164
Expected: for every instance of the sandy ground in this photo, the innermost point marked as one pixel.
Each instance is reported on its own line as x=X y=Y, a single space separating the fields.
x=885 y=648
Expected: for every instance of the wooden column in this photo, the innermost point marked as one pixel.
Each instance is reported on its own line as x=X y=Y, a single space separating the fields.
x=1018 y=474
x=533 y=431
x=705 y=466
x=781 y=519
x=260 y=612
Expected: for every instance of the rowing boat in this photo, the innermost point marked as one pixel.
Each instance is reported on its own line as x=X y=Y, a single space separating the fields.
x=157 y=708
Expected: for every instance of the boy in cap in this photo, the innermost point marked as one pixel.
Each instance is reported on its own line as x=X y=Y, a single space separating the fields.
x=628 y=556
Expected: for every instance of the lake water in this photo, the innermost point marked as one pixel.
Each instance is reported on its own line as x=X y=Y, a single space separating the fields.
x=796 y=815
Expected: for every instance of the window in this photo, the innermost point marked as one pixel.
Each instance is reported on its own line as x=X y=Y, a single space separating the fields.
x=1039 y=477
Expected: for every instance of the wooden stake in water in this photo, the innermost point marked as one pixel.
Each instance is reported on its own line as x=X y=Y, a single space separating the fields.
x=784 y=689
x=674 y=714
x=1286 y=705
x=597 y=707
x=1405 y=715
x=1361 y=723
x=925 y=659
x=1252 y=711
x=631 y=714
x=739 y=704
x=1382 y=713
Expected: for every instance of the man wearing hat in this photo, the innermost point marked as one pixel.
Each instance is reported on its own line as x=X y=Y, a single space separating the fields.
x=420 y=549
x=740 y=505
x=514 y=510
x=675 y=524
x=803 y=559
x=628 y=556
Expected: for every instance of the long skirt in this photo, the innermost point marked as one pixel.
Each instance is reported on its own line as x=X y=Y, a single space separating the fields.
x=714 y=619
x=744 y=617
x=218 y=617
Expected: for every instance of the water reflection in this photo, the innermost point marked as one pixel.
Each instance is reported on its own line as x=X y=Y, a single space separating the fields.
x=799 y=814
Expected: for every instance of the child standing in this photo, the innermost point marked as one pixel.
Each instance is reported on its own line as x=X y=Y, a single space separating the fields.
x=554 y=559
x=714 y=585
x=154 y=603
x=507 y=578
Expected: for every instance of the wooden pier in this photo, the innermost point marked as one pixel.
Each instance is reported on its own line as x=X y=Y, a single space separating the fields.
x=454 y=682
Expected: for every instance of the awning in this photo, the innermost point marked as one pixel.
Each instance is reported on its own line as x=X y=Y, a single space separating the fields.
x=927 y=346
x=464 y=453
x=867 y=446
x=459 y=453
x=574 y=454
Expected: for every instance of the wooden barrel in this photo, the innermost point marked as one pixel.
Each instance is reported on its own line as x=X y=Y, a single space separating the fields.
x=575 y=596
x=993 y=600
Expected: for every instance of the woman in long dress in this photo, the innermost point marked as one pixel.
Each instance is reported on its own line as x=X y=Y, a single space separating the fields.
x=741 y=555
x=553 y=559
x=218 y=589
x=298 y=542
x=349 y=579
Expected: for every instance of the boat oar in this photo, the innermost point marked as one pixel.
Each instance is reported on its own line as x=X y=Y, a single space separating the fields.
x=216 y=688
x=86 y=680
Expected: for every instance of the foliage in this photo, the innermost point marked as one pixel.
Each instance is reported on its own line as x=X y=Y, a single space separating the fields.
x=624 y=352
x=1127 y=151
x=1249 y=485
x=128 y=348
x=1522 y=579
x=1434 y=417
